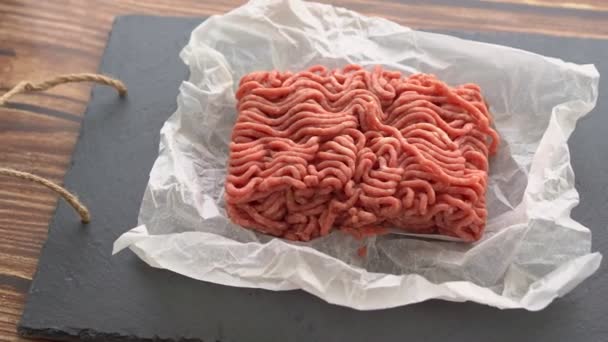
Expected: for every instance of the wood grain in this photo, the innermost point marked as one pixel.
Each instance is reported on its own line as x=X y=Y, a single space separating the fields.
x=589 y=5
x=40 y=39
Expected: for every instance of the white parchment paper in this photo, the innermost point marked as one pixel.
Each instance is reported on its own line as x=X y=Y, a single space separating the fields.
x=532 y=251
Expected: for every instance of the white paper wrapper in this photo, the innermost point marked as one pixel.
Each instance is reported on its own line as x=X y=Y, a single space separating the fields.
x=532 y=251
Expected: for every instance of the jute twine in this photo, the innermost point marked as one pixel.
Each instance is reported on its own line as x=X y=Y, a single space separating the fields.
x=27 y=86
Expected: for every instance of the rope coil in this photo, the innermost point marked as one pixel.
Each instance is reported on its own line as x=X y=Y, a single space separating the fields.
x=27 y=86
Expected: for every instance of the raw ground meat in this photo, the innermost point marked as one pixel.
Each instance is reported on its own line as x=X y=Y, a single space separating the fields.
x=358 y=151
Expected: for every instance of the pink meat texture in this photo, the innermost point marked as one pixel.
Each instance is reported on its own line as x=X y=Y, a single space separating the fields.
x=358 y=151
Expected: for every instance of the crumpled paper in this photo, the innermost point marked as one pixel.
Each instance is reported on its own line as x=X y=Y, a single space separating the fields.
x=532 y=251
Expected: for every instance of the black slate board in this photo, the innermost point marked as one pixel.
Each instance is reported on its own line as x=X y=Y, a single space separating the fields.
x=81 y=291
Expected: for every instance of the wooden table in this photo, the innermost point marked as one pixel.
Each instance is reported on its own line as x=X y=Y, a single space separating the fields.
x=39 y=39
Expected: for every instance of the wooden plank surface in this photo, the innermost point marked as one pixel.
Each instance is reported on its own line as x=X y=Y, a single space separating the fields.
x=39 y=39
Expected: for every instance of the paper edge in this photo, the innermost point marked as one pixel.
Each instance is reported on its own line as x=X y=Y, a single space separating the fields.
x=539 y=295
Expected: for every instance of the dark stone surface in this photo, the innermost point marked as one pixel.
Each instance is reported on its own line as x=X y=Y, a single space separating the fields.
x=81 y=291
